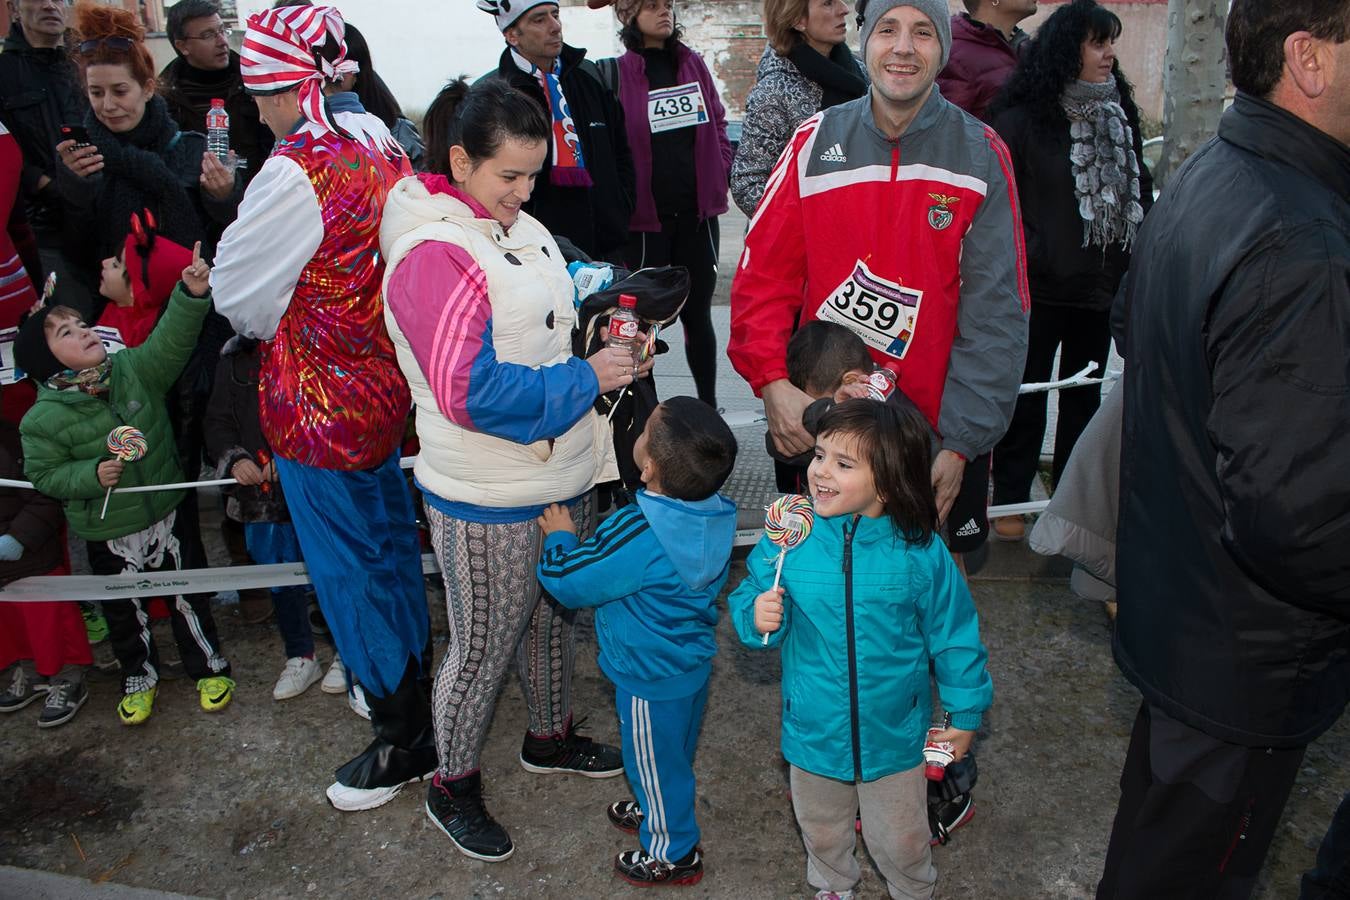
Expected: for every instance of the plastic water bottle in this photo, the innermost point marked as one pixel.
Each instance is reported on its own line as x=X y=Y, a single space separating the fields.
x=881 y=383
x=937 y=755
x=623 y=325
x=218 y=131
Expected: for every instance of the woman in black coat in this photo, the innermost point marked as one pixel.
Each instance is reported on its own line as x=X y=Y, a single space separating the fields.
x=1069 y=120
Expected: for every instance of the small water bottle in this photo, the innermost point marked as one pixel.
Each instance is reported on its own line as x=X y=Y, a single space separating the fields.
x=218 y=131
x=937 y=755
x=623 y=325
x=881 y=383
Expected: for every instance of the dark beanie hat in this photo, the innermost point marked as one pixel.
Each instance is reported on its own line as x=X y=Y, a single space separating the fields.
x=31 y=352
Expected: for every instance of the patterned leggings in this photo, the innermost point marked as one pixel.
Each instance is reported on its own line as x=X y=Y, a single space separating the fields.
x=495 y=606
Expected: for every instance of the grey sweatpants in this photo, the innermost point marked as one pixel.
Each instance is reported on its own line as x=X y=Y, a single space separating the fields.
x=894 y=813
x=496 y=611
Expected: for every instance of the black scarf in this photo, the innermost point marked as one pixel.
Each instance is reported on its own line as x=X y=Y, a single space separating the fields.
x=196 y=88
x=149 y=167
x=838 y=75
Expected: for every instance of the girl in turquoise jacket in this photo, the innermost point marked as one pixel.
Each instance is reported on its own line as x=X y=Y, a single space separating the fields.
x=864 y=604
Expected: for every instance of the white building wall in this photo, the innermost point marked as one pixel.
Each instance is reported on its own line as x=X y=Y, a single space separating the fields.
x=418 y=45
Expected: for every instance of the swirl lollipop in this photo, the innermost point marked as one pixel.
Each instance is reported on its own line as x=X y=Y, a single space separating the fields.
x=787 y=522
x=127 y=443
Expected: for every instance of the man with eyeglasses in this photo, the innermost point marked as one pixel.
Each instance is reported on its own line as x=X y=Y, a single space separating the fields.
x=39 y=91
x=207 y=69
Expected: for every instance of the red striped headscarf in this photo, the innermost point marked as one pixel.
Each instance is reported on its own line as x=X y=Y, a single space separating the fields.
x=281 y=50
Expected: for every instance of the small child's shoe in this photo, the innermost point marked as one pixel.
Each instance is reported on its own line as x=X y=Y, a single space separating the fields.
x=946 y=816
x=625 y=815
x=834 y=895
x=216 y=692
x=95 y=625
x=22 y=690
x=63 y=701
x=644 y=870
x=137 y=706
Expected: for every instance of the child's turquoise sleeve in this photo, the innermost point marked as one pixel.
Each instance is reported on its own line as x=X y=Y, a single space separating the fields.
x=951 y=632
x=160 y=360
x=759 y=569
x=600 y=570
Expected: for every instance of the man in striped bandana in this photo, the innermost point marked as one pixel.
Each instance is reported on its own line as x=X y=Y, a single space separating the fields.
x=300 y=270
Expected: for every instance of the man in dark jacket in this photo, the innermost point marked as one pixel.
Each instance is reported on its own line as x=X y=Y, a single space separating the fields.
x=1235 y=497
x=986 y=43
x=207 y=69
x=39 y=91
x=585 y=190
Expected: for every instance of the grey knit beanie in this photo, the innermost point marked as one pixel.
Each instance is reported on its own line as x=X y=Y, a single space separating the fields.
x=869 y=11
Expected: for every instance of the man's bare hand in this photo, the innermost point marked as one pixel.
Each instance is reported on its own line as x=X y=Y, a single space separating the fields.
x=783 y=407
x=948 y=470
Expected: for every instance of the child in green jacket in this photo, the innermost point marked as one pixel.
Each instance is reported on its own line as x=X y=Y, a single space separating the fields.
x=83 y=394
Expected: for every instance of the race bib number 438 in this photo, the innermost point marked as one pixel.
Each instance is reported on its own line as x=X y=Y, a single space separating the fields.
x=884 y=314
x=676 y=107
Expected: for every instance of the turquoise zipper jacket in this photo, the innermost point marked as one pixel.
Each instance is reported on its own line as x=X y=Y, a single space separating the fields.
x=864 y=611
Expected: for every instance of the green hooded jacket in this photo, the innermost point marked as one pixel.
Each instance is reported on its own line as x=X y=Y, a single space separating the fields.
x=65 y=434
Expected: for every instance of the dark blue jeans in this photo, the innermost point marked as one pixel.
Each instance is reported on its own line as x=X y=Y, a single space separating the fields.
x=275 y=542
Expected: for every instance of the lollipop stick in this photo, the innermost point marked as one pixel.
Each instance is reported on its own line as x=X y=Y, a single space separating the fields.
x=106 y=498
x=777 y=574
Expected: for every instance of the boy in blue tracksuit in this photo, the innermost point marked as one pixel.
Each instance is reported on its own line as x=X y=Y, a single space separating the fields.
x=653 y=571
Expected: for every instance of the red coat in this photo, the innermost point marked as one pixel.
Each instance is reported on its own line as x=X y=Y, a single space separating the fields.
x=981 y=62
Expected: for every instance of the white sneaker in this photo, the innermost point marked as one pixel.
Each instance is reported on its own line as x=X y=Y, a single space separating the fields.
x=296 y=678
x=357 y=701
x=350 y=799
x=335 y=682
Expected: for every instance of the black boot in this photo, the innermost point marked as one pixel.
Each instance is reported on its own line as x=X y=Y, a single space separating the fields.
x=404 y=749
x=456 y=806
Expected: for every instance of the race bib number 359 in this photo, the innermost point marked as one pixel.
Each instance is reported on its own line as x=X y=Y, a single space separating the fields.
x=881 y=312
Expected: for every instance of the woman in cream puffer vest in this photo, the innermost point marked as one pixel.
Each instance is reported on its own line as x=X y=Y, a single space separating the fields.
x=478 y=303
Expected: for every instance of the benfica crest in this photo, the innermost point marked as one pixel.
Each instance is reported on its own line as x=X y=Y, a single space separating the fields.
x=939 y=214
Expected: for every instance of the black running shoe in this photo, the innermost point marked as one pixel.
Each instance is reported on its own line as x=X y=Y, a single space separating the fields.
x=63 y=701
x=640 y=868
x=571 y=754
x=457 y=809
x=625 y=815
x=945 y=816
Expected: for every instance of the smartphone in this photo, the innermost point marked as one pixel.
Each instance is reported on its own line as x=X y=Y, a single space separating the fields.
x=76 y=133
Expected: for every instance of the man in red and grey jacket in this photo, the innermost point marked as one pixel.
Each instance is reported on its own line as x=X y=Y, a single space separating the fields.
x=895 y=215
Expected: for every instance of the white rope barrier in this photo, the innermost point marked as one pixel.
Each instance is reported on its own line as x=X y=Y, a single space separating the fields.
x=405 y=462
x=49 y=588
x=53 y=588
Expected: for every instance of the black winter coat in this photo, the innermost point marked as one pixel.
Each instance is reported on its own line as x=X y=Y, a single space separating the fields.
x=33 y=519
x=39 y=92
x=189 y=100
x=1233 y=552
x=233 y=432
x=594 y=218
x=1060 y=270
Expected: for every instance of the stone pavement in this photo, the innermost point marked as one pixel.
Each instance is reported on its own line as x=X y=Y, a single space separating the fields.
x=232 y=805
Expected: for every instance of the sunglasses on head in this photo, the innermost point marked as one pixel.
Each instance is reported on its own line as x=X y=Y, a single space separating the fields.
x=112 y=43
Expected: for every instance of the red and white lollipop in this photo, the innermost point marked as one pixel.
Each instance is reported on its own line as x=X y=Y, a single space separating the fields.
x=787 y=522
x=127 y=443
